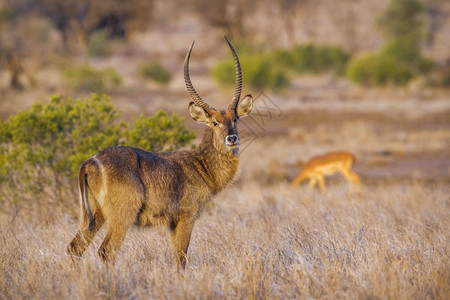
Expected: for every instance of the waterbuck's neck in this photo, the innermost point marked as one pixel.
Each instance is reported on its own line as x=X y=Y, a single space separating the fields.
x=219 y=166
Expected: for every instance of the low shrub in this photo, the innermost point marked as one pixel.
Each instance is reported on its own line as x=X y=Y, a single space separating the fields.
x=259 y=71
x=315 y=59
x=404 y=52
x=84 y=78
x=98 y=44
x=159 y=132
x=378 y=69
x=155 y=72
x=271 y=69
x=42 y=148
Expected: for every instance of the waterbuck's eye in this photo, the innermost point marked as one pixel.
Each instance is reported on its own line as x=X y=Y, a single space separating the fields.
x=215 y=123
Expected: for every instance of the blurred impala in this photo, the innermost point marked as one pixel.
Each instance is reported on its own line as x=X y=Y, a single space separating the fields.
x=327 y=164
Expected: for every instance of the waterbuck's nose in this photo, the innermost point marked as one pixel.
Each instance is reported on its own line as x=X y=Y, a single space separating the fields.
x=232 y=139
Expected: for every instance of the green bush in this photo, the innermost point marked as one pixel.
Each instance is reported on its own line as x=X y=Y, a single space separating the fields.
x=98 y=44
x=159 y=132
x=249 y=47
x=378 y=69
x=42 y=148
x=314 y=59
x=154 y=71
x=259 y=71
x=84 y=78
x=259 y=68
x=271 y=69
x=402 y=51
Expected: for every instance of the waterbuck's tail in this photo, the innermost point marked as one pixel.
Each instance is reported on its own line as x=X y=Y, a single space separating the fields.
x=86 y=212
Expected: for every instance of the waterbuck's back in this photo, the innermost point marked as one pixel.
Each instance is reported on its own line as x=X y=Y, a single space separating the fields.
x=131 y=179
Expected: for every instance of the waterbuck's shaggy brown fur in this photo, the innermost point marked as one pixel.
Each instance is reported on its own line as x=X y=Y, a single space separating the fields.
x=125 y=186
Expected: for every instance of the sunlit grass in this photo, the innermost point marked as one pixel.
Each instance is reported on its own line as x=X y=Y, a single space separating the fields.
x=388 y=241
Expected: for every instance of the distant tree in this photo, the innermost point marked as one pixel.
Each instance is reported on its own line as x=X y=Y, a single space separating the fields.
x=400 y=58
x=119 y=18
x=77 y=19
x=14 y=66
x=13 y=47
x=403 y=26
x=436 y=19
x=289 y=10
x=227 y=15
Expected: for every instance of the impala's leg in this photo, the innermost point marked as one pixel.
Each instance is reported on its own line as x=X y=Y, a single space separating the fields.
x=356 y=178
x=294 y=182
x=85 y=235
x=312 y=182
x=297 y=180
x=181 y=236
x=321 y=181
x=351 y=177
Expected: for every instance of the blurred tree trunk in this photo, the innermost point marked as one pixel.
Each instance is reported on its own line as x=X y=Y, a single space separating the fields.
x=76 y=20
x=288 y=10
x=436 y=19
x=15 y=69
x=226 y=15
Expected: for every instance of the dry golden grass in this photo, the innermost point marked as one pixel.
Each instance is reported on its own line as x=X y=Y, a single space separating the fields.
x=389 y=241
x=260 y=239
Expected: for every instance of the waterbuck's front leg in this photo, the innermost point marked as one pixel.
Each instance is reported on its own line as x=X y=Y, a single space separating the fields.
x=181 y=236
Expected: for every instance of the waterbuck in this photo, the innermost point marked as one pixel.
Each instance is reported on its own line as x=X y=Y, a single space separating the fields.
x=125 y=186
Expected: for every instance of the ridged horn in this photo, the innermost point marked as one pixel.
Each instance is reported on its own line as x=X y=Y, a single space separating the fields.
x=238 y=80
x=192 y=92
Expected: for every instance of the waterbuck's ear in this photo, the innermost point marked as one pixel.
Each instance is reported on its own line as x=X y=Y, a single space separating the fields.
x=198 y=113
x=244 y=106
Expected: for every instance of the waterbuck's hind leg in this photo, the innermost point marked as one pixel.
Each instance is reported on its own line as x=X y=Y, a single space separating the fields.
x=121 y=211
x=85 y=235
x=112 y=242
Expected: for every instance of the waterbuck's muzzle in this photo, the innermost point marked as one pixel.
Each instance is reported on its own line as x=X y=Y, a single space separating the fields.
x=232 y=140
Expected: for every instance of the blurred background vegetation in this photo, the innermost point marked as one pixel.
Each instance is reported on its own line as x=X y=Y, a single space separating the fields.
x=134 y=50
x=388 y=43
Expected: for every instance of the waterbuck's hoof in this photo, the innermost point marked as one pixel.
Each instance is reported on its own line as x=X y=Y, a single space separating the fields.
x=74 y=250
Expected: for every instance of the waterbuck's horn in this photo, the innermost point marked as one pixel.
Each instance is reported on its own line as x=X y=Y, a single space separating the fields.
x=238 y=80
x=192 y=92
